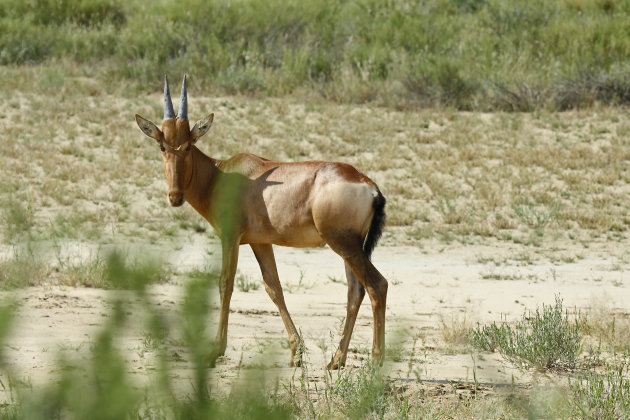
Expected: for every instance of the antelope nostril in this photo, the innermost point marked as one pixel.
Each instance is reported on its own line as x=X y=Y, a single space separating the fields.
x=176 y=199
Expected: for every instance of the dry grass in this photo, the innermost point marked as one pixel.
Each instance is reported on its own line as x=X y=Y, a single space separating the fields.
x=455 y=331
x=87 y=172
x=22 y=269
x=608 y=327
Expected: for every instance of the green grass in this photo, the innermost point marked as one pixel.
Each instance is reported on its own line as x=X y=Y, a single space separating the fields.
x=17 y=220
x=22 y=269
x=602 y=395
x=246 y=283
x=513 y=55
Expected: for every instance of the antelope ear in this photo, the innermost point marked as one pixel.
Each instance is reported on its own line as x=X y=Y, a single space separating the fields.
x=201 y=127
x=149 y=128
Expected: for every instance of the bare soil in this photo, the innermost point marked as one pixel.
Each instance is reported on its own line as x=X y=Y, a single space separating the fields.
x=432 y=289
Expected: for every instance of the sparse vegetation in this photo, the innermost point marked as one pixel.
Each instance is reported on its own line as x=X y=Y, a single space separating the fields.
x=455 y=330
x=17 y=220
x=544 y=339
x=525 y=182
x=608 y=328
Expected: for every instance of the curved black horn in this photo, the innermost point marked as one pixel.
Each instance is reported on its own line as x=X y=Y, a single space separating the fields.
x=182 y=111
x=168 y=105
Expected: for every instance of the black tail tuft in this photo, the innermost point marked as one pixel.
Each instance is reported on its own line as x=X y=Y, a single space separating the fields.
x=376 y=226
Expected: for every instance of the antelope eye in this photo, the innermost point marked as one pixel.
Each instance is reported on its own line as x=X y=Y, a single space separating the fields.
x=188 y=149
x=162 y=148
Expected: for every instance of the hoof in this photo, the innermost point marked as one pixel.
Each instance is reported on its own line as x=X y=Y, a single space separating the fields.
x=337 y=362
x=335 y=365
x=217 y=352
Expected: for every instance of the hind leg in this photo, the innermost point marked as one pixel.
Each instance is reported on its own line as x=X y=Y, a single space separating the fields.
x=376 y=286
x=349 y=247
x=356 y=292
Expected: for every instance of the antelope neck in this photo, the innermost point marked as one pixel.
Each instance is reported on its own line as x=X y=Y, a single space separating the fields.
x=199 y=188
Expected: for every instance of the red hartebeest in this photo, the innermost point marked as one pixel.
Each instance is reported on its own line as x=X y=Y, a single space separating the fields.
x=255 y=201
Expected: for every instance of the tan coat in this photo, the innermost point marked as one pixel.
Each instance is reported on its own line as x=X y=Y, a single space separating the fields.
x=251 y=200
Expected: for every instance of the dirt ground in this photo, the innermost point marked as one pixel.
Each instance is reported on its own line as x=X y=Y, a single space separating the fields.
x=432 y=289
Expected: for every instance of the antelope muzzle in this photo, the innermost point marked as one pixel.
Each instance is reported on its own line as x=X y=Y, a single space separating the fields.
x=176 y=198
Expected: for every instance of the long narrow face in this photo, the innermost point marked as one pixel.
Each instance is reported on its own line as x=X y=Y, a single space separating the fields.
x=176 y=141
x=176 y=149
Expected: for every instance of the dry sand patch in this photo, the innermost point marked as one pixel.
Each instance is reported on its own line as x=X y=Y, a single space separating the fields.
x=429 y=288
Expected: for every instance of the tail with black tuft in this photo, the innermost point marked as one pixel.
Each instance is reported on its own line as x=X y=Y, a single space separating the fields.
x=376 y=226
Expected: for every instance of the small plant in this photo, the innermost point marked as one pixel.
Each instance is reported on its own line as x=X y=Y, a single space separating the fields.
x=536 y=217
x=89 y=273
x=292 y=288
x=361 y=392
x=23 y=269
x=450 y=213
x=209 y=274
x=150 y=343
x=545 y=339
x=245 y=283
x=455 y=330
x=334 y=279
x=610 y=328
x=17 y=219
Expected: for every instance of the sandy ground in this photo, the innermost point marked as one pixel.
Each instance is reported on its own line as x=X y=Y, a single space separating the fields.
x=429 y=286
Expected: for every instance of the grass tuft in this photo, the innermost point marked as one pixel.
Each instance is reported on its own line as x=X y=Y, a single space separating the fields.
x=23 y=269
x=17 y=220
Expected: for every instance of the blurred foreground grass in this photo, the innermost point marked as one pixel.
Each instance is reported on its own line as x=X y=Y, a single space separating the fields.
x=101 y=387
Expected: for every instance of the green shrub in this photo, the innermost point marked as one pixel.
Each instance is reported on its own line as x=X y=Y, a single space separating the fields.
x=60 y=12
x=514 y=55
x=545 y=339
x=17 y=220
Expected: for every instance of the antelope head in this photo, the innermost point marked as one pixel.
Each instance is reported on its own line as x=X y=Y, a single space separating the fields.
x=176 y=141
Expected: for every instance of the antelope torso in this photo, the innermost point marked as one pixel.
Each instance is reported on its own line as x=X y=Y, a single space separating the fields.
x=284 y=200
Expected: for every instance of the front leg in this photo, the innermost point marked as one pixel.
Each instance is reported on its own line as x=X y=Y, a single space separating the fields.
x=226 y=286
x=267 y=262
